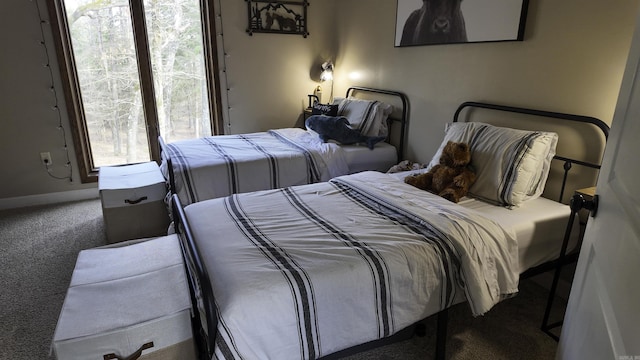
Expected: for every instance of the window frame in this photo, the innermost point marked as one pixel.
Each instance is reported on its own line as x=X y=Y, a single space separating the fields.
x=71 y=87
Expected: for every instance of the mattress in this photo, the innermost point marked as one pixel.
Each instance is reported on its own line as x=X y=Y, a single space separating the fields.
x=360 y=158
x=538 y=224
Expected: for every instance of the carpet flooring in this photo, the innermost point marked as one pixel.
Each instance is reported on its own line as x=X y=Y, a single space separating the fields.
x=38 y=250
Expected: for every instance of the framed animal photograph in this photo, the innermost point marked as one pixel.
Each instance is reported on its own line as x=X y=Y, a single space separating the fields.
x=433 y=22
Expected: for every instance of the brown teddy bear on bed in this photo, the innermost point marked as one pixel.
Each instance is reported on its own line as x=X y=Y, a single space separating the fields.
x=452 y=177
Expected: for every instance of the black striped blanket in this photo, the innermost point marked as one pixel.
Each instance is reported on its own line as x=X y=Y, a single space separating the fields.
x=217 y=166
x=305 y=271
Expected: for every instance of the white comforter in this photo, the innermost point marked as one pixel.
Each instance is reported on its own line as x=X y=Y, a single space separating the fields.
x=217 y=166
x=306 y=271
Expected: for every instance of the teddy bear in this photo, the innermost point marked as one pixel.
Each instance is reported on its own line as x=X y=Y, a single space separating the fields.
x=452 y=177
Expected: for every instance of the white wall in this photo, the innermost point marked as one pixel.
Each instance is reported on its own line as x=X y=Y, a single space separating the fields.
x=29 y=125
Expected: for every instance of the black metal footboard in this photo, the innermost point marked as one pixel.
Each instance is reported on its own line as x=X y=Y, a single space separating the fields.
x=165 y=154
x=205 y=317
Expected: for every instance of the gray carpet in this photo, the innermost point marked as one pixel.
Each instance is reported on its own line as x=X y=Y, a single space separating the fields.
x=39 y=246
x=38 y=250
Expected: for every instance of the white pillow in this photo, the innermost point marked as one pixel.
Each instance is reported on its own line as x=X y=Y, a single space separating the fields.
x=511 y=165
x=368 y=116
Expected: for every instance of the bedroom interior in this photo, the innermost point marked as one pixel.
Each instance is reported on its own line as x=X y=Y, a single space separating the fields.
x=579 y=72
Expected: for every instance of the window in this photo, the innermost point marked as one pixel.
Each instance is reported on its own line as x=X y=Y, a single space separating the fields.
x=133 y=70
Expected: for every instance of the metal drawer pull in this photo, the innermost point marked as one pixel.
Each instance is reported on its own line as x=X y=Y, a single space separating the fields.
x=133 y=202
x=133 y=356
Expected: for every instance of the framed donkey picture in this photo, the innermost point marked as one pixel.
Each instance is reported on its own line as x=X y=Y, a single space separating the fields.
x=432 y=22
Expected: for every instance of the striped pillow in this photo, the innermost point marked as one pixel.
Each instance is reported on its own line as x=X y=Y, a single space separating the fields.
x=367 y=116
x=511 y=165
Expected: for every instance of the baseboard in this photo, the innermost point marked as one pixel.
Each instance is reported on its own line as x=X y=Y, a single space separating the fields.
x=47 y=199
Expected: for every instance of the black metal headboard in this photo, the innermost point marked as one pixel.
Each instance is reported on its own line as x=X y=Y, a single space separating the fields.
x=400 y=118
x=568 y=162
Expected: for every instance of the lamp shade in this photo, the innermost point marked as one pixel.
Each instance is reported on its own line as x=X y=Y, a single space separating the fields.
x=327 y=71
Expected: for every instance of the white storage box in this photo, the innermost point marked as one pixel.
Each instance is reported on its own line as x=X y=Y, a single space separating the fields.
x=124 y=299
x=133 y=201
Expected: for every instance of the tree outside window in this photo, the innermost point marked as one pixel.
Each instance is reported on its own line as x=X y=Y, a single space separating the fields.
x=135 y=70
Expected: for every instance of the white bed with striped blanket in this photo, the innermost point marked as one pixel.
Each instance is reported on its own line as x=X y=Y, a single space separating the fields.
x=306 y=271
x=217 y=166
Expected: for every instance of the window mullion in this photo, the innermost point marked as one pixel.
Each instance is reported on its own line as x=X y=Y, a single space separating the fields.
x=146 y=76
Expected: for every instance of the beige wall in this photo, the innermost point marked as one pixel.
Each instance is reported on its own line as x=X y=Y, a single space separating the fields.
x=29 y=125
x=268 y=75
x=571 y=60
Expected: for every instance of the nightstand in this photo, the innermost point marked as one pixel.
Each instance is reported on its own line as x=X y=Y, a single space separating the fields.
x=583 y=203
x=300 y=123
x=313 y=99
x=588 y=194
x=306 y=113
x=132 y=199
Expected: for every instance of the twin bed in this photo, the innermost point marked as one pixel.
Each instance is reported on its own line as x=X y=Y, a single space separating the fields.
x=311 y=271
x=217 y=166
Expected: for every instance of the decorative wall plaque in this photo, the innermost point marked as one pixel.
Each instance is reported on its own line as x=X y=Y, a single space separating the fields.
x=280 y=17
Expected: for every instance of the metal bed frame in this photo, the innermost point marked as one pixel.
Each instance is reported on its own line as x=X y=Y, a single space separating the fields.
x=576 y=203
x=401 y=120
x=205 y=313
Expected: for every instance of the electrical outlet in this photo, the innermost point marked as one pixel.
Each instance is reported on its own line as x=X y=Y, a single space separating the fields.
x=46 y=158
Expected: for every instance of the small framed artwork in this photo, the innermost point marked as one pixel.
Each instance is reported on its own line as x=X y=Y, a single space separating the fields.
x=283 y=17
x=433 y=22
